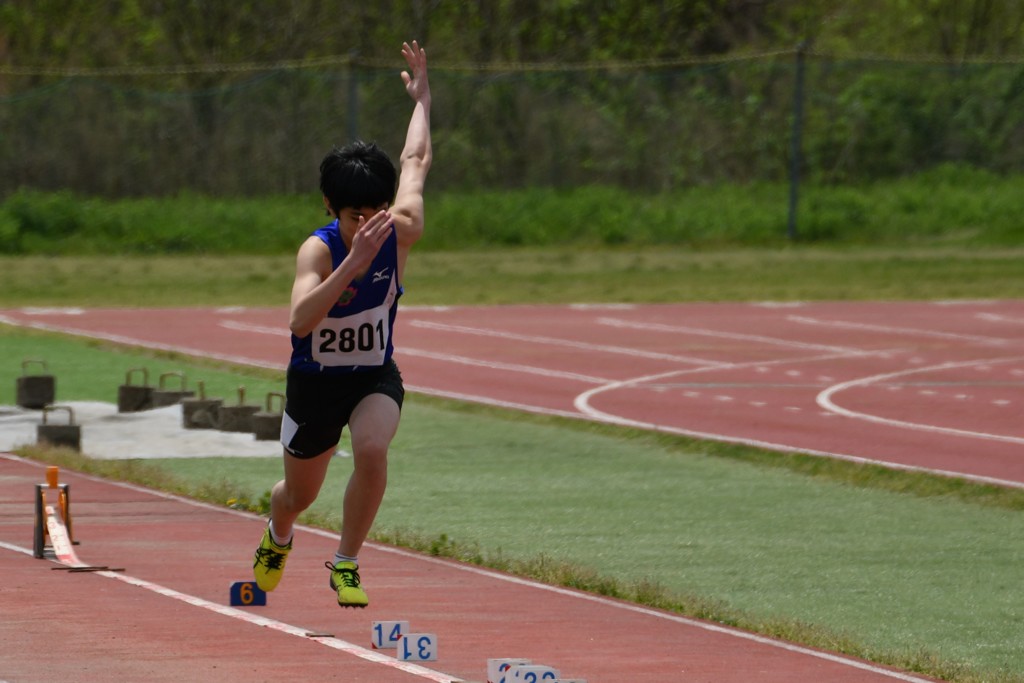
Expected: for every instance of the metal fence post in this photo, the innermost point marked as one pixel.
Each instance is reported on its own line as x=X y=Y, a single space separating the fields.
x=353 y=96
x=797 y=135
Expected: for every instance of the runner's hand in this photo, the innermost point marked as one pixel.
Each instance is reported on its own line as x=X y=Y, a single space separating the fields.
x=416 y=85
x=369 y=237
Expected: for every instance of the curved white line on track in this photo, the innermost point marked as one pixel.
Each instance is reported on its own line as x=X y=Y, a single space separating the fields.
x=586 y=411
x=424 y=672
x=824 y=400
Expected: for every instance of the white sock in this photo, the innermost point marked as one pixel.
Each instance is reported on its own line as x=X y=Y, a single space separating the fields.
x=338 y=557
x=278 y=541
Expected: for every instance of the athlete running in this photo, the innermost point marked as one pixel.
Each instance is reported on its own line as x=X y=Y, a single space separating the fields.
x=344 y=300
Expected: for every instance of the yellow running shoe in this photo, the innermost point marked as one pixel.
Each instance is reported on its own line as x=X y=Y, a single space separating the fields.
x=345 y=580
x=268 y=564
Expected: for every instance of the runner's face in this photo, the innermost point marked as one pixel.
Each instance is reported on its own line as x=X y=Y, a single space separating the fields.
x=348 y=218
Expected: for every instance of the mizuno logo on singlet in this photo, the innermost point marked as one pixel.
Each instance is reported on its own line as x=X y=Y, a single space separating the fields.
x=381 y=274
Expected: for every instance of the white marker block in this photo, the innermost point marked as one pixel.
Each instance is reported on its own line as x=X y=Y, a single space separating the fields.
x=497 y=669
x=384 y=634
x=531 y=673
x=417 y=647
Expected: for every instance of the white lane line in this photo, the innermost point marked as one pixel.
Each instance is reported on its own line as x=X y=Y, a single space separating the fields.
x=825 y=400
x=890 y=329
x=493 y=365
x=44 y=310
x=682 y=329
x=646 y=611
x=259 y=329
x=17 y=549
x=554 y=341
x=131 y=341
x=589 y=413
x=964 y=302
x=779 y=304
x=432 y=355
x=602 y=307
x=507 y=578
x=69 y=559
x=996 y=318
x=282 y=627
x=491 y=401
x=430 y=309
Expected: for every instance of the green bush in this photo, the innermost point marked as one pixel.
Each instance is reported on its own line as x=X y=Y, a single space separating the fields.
x=947 y=205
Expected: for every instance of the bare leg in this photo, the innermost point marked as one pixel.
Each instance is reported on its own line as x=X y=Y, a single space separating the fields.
x=372 y=426
x=297 y=491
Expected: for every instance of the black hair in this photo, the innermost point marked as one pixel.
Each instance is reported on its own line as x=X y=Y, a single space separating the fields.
x=358 y=175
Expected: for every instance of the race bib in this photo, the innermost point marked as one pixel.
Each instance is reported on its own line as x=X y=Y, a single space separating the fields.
x=357 y=339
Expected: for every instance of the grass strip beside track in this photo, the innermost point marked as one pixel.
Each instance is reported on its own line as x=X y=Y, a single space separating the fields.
x=533 y=275
x=901 y=568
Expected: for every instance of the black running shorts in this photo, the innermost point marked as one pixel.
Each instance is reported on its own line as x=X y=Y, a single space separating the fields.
x=318 y=406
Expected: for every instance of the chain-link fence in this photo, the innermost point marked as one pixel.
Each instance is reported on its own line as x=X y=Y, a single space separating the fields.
x=649 y=127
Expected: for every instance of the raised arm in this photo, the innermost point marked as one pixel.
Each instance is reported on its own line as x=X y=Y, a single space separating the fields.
x=417 y=153
x=316 y=287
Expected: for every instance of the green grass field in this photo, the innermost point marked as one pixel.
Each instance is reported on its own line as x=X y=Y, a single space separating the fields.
x=904 y=569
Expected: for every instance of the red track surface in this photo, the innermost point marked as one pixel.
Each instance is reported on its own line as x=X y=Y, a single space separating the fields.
x=919 y=385
x=166 y=618
x=935 y=386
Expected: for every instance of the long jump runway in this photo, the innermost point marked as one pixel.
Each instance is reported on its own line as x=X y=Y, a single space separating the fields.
x=935 y=386
x=160 y=611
